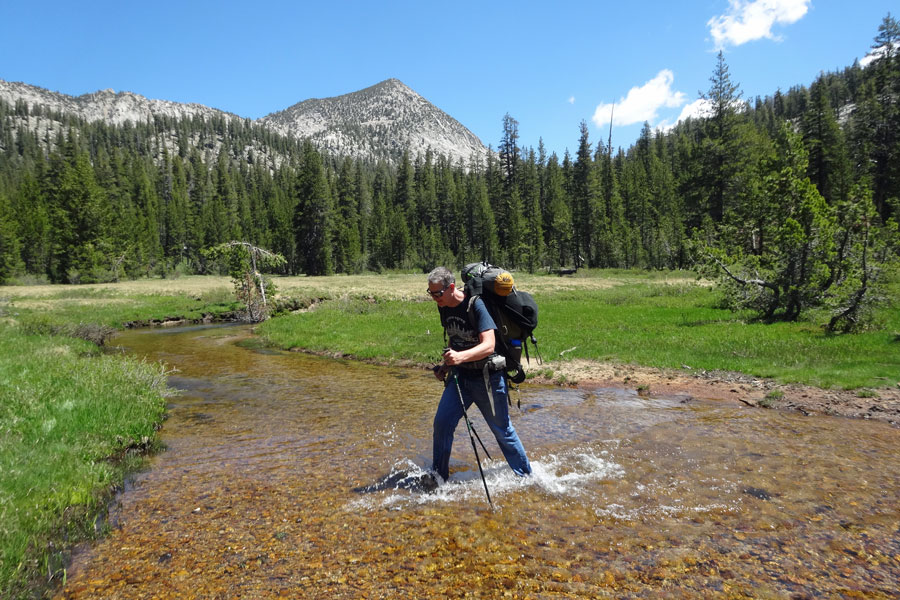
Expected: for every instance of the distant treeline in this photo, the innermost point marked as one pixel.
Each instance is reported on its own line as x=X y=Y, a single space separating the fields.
x=87 y=202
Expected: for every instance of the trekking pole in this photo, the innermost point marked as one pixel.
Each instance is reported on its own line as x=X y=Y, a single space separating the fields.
x=472 y=439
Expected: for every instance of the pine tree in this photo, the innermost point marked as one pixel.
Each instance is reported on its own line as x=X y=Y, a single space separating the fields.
x=9 y=241
x=148 y=246
x=313 y=218
x=584 y=200
x=362 y=193
x=483 y=239
x=828 y=161
x=532 y=231
x=380 y=256
x=451 y=209
x=559 y=216
x=509 y=215
x=721 y=148
x=792 y=273
x=281 y=205
x=668 y=250
x=79 y=248
x=886 y=147
x=346 y=222
x=612 y=227
x=30 y=211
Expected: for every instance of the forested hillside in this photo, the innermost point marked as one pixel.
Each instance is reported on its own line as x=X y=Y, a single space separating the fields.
x=97 y=202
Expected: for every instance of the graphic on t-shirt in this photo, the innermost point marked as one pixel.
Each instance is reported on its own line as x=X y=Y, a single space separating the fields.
x=460 y=331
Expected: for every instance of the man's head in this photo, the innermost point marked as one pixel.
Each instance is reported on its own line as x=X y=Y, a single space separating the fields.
x=441 y=284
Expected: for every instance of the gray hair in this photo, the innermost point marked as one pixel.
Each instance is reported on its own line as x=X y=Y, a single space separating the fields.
x=441 y=275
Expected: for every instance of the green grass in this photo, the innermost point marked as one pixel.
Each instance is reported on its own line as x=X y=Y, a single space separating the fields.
x=392 y=330
x=73 y=420
x=636 y=324
x=112 y=308
x=640 y=321
x=65 y=411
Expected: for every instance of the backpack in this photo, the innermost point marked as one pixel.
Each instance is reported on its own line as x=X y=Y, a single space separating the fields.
x=514 y=312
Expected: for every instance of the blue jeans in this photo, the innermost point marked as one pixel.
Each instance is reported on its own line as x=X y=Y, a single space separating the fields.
x=449 y=412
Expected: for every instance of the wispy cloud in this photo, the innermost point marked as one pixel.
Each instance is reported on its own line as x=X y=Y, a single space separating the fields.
x=751 y=20
x=642 y=103
x=571 y=99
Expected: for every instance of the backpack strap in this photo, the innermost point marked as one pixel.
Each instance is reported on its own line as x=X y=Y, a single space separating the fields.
x=443 y=327
x=539 y=359
x=470 y=311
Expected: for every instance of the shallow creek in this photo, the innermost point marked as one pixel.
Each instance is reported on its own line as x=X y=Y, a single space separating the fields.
x=258 y=493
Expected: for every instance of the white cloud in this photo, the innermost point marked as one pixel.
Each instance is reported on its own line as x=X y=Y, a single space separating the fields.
x=872 y=56
x=571 y=99
x=699 y=108
x=751 y=20
x=641 y=103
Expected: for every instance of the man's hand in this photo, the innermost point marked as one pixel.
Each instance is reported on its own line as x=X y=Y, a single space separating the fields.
x=452 y=357
x=440 y=371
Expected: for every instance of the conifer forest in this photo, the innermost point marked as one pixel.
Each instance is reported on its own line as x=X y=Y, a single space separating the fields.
x=792 y=199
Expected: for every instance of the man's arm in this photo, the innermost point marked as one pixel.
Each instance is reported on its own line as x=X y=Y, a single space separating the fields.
x=484 y=349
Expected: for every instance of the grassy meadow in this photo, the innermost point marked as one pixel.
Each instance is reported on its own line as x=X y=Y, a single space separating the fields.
x=74 y=419
x=666 y=320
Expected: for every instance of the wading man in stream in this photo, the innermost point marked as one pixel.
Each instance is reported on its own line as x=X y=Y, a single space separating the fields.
x=470 y=361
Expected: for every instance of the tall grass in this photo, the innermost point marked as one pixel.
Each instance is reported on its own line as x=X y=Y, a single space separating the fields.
x=65 y=411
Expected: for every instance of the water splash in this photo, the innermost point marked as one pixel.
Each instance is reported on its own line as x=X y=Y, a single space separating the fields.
x=570 y=474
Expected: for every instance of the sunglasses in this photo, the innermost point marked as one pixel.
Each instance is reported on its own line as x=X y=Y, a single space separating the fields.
x=438 y=293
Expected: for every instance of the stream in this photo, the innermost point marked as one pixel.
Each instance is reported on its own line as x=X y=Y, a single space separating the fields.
x=265 y=491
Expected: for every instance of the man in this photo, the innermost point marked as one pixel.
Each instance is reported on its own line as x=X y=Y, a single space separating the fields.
x=470 y=350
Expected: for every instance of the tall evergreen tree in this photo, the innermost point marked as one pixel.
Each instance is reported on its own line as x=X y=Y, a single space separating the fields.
x=721 y=147
x=30 y=211
x=9 y=241
x=362 y=192
x=380 y=256
x=404 y=215
x=483 y=240
x=886 y=147
x=509 y=215
x=584 y=199
x=532 y=237
x=346 y=222
x=313 y=219
x=559 y=215
x=829 y=166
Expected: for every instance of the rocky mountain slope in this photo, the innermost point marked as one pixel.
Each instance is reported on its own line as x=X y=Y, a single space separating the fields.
x=380 y=121
x=104 y=105
x=376 y=123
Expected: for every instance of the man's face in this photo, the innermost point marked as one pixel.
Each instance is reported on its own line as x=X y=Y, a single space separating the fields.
x=439 y=293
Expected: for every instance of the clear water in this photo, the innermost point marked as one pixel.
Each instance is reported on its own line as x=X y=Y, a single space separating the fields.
x=258 y=494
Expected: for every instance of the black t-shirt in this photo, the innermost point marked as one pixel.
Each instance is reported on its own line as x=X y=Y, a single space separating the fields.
x=460 y=334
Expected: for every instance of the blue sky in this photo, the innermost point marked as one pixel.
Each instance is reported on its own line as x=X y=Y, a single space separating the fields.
x=550 y=65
